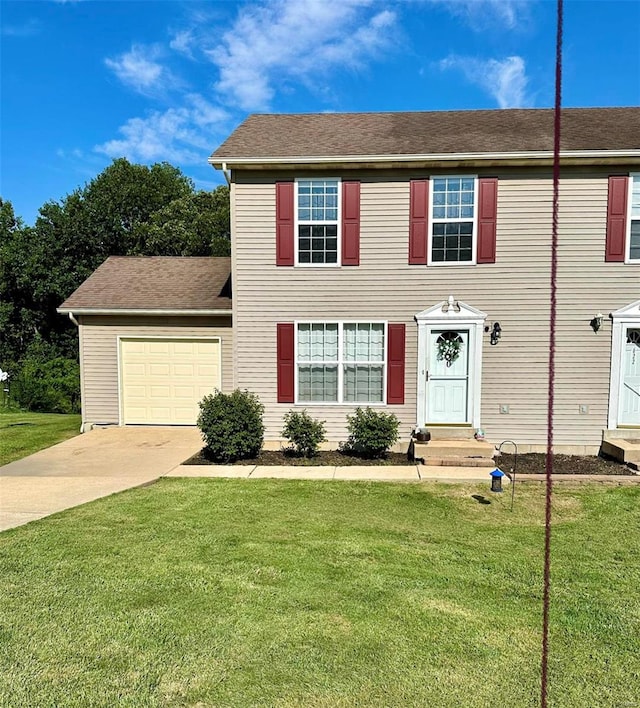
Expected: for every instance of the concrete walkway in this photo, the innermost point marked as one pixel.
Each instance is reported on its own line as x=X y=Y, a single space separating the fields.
x=109 y=460
x=381 y=473
x=90 y=466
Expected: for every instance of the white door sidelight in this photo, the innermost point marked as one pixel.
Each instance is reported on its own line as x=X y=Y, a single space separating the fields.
x=449 y=364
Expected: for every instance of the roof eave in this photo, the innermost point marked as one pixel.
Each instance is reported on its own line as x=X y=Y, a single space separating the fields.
x=543 y=157
x=140 y=311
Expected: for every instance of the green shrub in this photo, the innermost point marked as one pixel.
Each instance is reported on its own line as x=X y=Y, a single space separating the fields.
x=371 y=433
x=231 y=425
x=303 y=432
x=50 y=386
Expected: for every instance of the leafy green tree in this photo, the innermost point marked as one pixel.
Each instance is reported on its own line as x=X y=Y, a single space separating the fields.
x=127 y=209
x=194 y=225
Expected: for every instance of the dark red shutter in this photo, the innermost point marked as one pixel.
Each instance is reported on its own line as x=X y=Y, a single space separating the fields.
x=487 y=211
x=617 y=219
x=286 y=363
x=418 y=220
x=284 y=223
x=395 y=364
x=350 y=223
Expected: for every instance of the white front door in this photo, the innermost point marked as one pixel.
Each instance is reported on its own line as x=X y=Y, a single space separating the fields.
x=448 y=377
x=630 y=384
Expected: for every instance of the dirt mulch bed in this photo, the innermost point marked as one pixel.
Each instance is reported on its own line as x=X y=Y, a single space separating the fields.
x=330 y=458
x=530 y=463
x=534 y=463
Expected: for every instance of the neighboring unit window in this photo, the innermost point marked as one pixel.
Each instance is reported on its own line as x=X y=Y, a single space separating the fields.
x=453 y=219
x=317 y=213
x=341 y=362
x=634 y=226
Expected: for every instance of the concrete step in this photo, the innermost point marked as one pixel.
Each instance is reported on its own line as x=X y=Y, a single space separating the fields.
x=454 y=448
x=623 y=450
x=459 y=462
x=451 y=433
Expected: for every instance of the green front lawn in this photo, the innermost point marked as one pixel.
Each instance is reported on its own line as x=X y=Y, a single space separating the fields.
x=293 y=593
x=24 y=433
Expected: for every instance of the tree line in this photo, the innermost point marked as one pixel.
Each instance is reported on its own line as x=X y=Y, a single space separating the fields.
x=128 y=209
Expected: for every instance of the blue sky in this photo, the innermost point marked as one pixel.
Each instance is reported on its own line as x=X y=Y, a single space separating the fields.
x=84 y=82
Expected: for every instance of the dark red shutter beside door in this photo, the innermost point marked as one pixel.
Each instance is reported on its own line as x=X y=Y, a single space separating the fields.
x=395 y=364
x=617 y=219
x=487 y=212
x=286 y=363
x=350 y=223
x=284 y=223
x=418 y=220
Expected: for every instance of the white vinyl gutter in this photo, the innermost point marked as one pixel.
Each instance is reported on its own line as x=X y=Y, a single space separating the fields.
x=541 y=155
x=77 y=311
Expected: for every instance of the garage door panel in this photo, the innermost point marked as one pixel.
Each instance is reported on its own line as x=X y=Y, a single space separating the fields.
x=163 y=380
x=158 y=346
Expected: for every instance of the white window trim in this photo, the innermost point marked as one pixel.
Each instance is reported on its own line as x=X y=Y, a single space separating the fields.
x=297 y=223
x=340 y=362
x=474 y=233
x=627 y=246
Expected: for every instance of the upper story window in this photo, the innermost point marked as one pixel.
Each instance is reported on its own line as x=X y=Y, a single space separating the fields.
x=340 y=362
x=634 y=218
x=453 y=220
x=317 y=219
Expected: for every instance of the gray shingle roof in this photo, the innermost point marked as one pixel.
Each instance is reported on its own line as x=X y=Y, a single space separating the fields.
x=430 y=133
x=155 y=283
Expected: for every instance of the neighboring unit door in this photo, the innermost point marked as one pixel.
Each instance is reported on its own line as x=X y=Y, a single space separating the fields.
x=162 y=380
x=630 y=394
x=448 y=377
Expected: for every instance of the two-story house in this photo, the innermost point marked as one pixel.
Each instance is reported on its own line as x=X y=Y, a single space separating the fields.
x=402 y=261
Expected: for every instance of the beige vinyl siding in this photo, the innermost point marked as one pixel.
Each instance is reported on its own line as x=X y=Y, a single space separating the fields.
x=99 y=354
x=514 y=291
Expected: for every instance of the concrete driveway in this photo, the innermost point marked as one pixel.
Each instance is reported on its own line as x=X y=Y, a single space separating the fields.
x=90 y=466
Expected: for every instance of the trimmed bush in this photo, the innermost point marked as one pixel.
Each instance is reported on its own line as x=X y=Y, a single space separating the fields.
x=303 y=432
x=371 y=433
x=51 y=386
x=231 y=425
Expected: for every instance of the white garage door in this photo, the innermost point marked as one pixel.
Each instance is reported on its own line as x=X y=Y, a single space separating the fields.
x=162 y=380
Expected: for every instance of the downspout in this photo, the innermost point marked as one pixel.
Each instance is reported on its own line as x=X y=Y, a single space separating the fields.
x=77 y=324
x=226 y=173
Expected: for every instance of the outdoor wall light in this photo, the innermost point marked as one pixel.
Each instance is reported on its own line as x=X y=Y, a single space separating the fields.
x=496 y=333
x=596 y=322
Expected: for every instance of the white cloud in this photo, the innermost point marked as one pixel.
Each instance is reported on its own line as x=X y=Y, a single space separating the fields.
x=480 y=14
x=183 y=42
x=506 y=80
x=140 y=69
x=181 y=135
x=30 y=28
x=278 y=40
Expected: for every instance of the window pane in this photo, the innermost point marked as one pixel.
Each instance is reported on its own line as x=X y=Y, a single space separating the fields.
x=318 y=200
x=439 y=212
x=317 y=383
x=439 y=185
x=363 y=384
x=322 y=247
x=634 y=245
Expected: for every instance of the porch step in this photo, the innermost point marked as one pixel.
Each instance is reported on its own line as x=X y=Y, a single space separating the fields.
x=455 y=453
x=458 y=461
x=451 y=433
x=454 y=448
x=625 y=450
